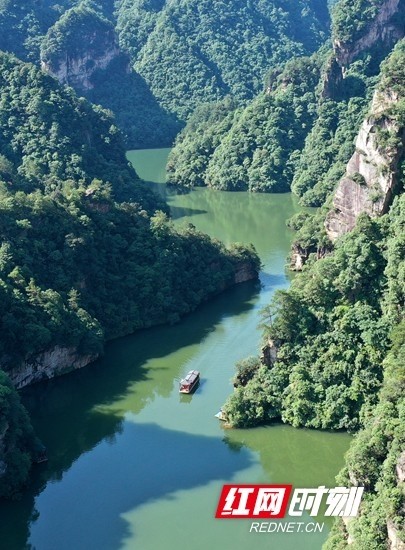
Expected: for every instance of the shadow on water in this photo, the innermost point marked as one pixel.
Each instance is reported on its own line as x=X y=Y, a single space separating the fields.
x=156 y=456
x=74 y=413
x=93 y=508
x=269 y=280
x=168 y=196
x=320 y=452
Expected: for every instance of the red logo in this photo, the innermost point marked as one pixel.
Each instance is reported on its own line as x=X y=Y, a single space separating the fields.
x=253 y=501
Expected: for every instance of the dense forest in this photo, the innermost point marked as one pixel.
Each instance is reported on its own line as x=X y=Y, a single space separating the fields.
x=376 y=461
x=203 y=54
x=252 y=148
x=87 y=252
x=18 y=442
x=295 y=135
x=206 y=52
x=291 y=136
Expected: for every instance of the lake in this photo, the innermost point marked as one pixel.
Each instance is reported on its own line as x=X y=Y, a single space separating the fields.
x=135 y=465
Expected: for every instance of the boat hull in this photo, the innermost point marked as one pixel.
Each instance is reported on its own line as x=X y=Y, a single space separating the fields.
x=189 y=390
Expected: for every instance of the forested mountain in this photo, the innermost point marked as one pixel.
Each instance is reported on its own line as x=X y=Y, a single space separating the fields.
x=152 y=63
x=84 y=256
x=252 y=148
x=206 y=50
x=292 y=136
x=298 y=133
x=81 y=49
x=22 y=24
x=376 y=460
x=49 y=136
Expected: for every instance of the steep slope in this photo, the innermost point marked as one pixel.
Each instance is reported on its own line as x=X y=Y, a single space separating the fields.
x=205 y=50
x=364 y=33
x=376 y=460
x=361 y=25
x=373 y=173
x=152 y=63
x=81 y=49
x=322 y=361
x=49 y=136
x=299 y=133
x=333 y=352
x=255 y=147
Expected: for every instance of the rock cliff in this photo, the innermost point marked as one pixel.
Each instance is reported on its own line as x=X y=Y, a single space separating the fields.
x=395 y=542
x=77 y=69
x=79 y=44
x=245 y=271
x=385 y=30
x=49 y=364
x=269 y=352
x=300 y=254
x=378 y=37
x=372 y=174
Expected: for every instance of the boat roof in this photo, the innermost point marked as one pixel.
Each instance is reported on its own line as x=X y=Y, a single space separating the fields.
x=191 y=376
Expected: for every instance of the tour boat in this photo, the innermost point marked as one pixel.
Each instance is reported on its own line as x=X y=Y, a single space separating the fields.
x=189 y=382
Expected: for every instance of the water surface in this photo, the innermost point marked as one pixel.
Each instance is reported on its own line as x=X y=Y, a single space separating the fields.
x=134 y=465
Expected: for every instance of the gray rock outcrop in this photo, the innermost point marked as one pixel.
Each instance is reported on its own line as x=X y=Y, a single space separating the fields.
x=76 y=69
x=372 y=173
x=49 y=364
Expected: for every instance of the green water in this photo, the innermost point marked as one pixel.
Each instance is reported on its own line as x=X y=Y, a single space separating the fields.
x=134 y=465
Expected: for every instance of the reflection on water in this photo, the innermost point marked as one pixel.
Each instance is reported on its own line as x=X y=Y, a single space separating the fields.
x=132 y=463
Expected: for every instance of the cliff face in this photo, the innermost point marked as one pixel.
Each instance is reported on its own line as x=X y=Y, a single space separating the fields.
x=299 y=255
x=385 y=30
x=81 y=42
x=245 y=271
x=76 y=68
x=47 y=365
x=372 y=173
x=379 y=36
